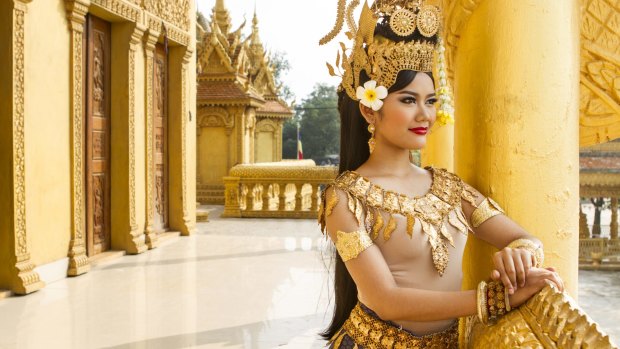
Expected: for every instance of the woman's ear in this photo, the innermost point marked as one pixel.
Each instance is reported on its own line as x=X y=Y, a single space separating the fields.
x=368 y=114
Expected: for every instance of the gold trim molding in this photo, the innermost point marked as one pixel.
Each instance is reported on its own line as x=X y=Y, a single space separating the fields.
x=187 y=220
x=26 y=280
x=150 y=236
x=78 y=261
x=137 y=237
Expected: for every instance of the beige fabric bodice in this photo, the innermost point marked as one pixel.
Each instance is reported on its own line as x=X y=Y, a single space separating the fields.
x=421 y=238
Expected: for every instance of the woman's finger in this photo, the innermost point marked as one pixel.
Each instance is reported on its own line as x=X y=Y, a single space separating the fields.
x=527 y=265
x=519 y=268
x=499 y=265
x=509 y=268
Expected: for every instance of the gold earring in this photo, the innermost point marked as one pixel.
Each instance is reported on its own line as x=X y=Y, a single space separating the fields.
x=371 y=141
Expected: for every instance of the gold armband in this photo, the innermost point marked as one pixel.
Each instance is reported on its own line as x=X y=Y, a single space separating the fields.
x=487 y=209
x=529 y=245
x=350 y=245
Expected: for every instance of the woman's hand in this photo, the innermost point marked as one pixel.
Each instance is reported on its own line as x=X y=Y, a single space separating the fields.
x=537 y=279
x=512 y=267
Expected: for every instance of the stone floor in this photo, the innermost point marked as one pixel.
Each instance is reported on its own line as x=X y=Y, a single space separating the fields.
x=235 y=284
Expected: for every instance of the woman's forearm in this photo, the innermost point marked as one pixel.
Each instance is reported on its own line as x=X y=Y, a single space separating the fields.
x=409 y=304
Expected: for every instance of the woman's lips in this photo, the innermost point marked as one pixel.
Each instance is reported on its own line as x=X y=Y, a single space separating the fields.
x=419 y=130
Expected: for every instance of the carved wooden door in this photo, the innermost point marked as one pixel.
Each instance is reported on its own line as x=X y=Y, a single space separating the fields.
x=160 y=132
x=97 y=134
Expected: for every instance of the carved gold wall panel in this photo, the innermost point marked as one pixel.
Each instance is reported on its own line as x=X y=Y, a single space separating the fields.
x=600 y=71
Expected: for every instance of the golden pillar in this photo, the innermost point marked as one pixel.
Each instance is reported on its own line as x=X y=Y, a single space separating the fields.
x=439 y=150
x=16 y=269
x=517 y=138
x=126 y=233
x=78 y=262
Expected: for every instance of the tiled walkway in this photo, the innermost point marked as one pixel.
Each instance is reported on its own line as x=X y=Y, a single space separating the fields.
x=235 y=284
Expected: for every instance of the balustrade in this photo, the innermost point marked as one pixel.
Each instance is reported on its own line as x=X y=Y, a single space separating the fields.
x=288 y=189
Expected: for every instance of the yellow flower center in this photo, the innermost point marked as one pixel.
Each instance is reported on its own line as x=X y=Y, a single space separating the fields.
x=371 y=95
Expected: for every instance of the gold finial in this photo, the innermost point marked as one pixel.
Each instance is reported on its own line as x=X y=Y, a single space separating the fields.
x=221 y=16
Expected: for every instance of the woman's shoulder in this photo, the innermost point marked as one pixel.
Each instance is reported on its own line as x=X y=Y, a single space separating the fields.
x=451 y=188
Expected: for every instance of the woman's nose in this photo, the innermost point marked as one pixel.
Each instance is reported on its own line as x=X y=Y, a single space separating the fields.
x=422 y=114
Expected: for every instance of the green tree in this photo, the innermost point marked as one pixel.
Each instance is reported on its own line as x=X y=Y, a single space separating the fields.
x=319 y=125
x=281 y=65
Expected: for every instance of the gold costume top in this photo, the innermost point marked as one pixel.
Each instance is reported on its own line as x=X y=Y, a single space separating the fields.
x=432 y=210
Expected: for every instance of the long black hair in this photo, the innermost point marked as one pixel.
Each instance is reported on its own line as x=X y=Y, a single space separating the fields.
x=354 y=152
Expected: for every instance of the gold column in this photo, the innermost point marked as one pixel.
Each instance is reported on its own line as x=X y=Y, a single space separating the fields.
x=78 y=262
x=16 y=269
x=613 y=227
x=150 y=236
x=517 y=138
x=439 y=149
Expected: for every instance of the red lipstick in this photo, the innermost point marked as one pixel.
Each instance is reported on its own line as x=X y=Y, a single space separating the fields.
x=419 y=130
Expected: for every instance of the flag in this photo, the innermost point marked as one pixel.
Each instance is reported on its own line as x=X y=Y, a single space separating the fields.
x=300 y=152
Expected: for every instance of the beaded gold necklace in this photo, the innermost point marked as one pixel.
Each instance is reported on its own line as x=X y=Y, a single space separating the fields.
x=366 y=200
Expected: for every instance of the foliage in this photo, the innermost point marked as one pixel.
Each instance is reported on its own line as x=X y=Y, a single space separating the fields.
x=319 y=125
x=202 y=20
x=281 y=65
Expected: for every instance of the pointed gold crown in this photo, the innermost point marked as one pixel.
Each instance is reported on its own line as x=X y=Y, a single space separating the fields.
x=392 y=36
x=414 y=24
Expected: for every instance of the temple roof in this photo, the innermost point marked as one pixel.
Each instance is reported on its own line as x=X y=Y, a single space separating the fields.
x=233 y=69
x=274 y=108
x=599 y=170
x=226 y=92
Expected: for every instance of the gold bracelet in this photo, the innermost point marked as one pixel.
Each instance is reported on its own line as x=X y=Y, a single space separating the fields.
x=487 y=209
x=481 y=297
x=496 y=301
x=532 y=247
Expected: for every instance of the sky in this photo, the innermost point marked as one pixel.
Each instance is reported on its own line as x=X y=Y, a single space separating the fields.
x=294 y=27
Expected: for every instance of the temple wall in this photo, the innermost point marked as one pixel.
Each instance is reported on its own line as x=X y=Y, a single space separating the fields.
x=47 y=131
x=42 y=132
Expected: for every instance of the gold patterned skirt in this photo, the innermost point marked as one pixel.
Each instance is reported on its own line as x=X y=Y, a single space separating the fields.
x=364 y=329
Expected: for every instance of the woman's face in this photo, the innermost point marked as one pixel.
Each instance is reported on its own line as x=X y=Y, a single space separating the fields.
x=407 y=115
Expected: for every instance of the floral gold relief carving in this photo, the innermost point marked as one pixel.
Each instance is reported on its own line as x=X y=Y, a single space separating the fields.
x=78 y=262
x=26 y=280
x=149 y=49
x=172 y=11
x=600 y=72
x=120 y=8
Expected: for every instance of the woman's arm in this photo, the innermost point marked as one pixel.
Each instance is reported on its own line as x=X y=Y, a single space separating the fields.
x=512 y=264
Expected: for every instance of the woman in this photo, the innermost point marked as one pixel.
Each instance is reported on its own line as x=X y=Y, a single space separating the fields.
x=400 y=230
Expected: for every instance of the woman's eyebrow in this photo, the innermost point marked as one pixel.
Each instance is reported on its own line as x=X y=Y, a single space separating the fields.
x=407 y=92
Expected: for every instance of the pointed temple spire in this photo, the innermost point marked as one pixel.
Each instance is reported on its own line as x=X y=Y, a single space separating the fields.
x=221 y=16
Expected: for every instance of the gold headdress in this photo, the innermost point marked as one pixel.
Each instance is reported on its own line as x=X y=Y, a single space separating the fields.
x=416 y=25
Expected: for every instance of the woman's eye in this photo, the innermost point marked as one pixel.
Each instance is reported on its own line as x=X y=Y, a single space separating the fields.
x=408 y=100
x=432 y=101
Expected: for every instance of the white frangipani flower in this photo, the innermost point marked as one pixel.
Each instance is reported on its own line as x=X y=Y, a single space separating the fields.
x=371 y=95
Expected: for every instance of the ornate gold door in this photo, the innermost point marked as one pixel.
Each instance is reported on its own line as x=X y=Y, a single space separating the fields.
x=97 y=142
x=160 y=132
